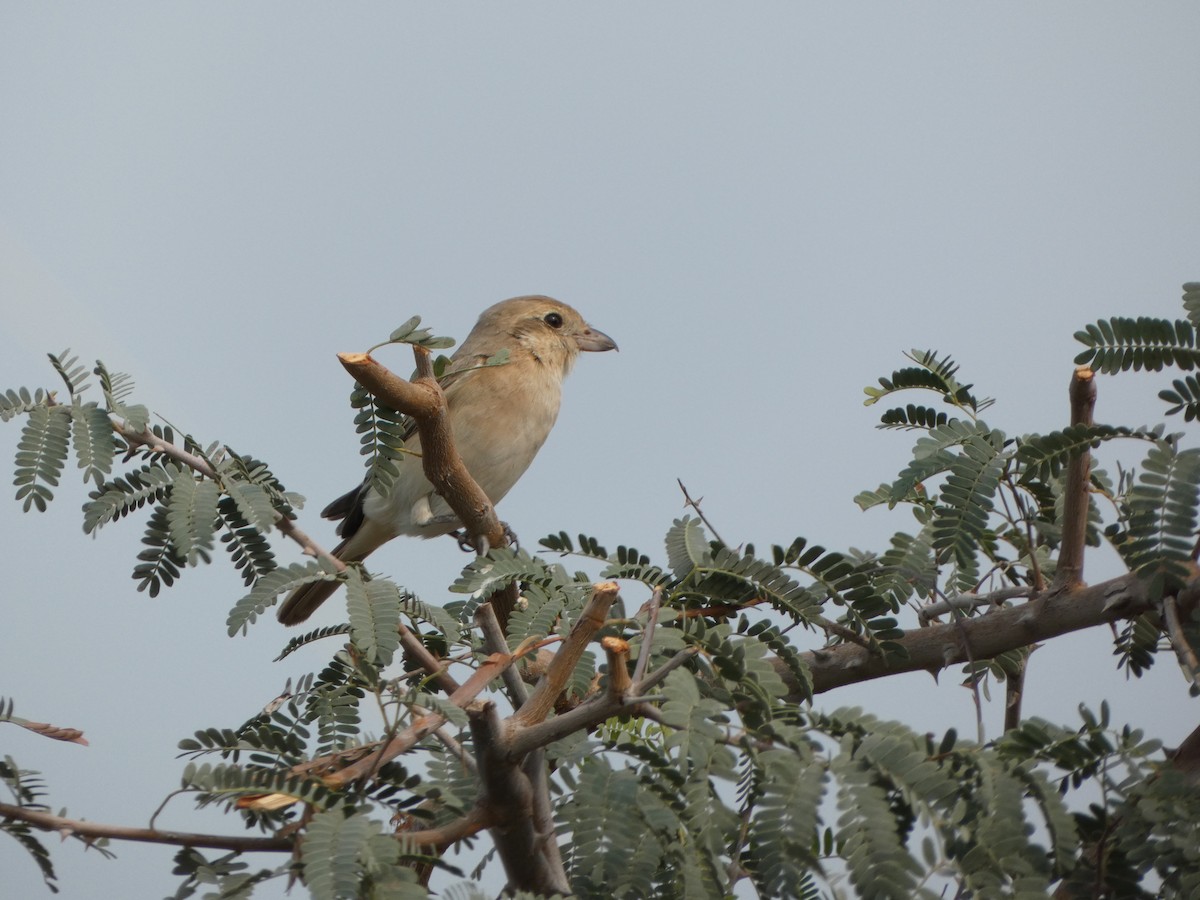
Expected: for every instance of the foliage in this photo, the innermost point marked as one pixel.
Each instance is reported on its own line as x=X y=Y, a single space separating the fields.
x=724 y=772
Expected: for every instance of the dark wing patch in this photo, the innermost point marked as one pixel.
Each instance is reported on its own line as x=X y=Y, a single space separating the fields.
x=348 y=508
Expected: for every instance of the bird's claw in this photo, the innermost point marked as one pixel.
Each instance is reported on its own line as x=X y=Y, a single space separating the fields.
x=467 y=543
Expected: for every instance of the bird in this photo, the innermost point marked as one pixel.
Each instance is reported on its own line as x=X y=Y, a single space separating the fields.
x=499 y=415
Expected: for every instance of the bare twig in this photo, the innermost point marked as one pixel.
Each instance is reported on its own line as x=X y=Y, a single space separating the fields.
x=47 y=822
x=1014 y=693
x=420 y=728
x=659 y=675
x=472 y=823
x=695 y=504
x=1179 y=643
x=968 y=602
x=846 y=634
x=423 y=400
x=652 y=608
x=494 y=642
x=434 y=667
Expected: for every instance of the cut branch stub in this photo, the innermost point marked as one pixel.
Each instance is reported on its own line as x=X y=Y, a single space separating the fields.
x=1075 y=500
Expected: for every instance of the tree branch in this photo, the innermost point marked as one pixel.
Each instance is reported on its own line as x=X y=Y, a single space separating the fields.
x=999 y=631
x=591 y=620
x=508 y=798
x=47 y=822
x=1075 y=499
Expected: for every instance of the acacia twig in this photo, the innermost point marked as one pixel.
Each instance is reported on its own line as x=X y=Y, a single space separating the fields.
x=1075 y=499
x=653 y=606
x=48 y=822
x=967 y=602
x=1179 y=643
x=695 y=504
x=423 y=400
x=494 y=642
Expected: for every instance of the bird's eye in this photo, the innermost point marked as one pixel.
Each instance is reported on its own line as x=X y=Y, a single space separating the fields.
x=554 y=320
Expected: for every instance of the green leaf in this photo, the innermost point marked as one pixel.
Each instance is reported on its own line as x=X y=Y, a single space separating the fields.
x=965 y=501
x=933 y=374
x=124 y=494
x=192 y=516
x=485 y=575
x=382 y=433
x=409 y=333
x=269 y=587
x=15 y=403
x=687 y=547
x=160 y=563
x=73 y=375
x=41 y=454
x=254 y=503
x=95 y=444
x=374 y=608
x=1162 y=518
x=1122 y=344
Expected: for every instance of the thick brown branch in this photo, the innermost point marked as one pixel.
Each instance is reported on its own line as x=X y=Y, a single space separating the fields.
x=47 y=822
x=591 y=620
x=998 y=631
x=509 y=799
x=1076 y=493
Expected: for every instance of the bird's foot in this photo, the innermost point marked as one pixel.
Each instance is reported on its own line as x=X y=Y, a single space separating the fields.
x=468 y=544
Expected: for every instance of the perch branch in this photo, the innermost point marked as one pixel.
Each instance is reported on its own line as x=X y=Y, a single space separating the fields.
x=423 y=400
x=494 y=642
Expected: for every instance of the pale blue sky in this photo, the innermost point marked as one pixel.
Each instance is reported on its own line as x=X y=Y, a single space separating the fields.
x=764 y=204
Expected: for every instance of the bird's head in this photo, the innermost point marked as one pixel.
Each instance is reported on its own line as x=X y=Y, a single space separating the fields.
x=548 y=329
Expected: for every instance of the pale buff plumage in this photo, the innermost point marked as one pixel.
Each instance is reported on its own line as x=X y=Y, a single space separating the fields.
x=499 y=415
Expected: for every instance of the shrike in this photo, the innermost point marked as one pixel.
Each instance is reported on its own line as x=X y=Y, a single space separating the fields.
x=499 y=415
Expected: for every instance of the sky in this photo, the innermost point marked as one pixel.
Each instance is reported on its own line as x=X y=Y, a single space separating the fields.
x=765 y=204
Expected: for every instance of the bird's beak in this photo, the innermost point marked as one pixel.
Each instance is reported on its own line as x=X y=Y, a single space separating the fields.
x=594 y=340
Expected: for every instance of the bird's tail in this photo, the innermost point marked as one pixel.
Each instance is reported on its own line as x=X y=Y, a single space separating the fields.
x=304 y=600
